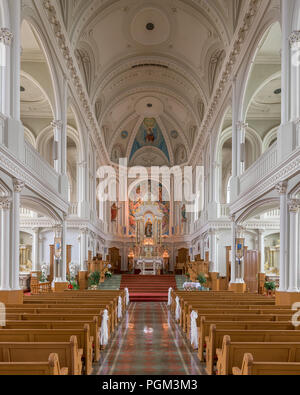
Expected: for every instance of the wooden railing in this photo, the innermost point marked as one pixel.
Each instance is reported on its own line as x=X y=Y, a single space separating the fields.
x=41 y=288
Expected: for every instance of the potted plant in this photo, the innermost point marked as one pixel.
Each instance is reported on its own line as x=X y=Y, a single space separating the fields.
x=94 y=279
x=270 y=286
x=202 y=280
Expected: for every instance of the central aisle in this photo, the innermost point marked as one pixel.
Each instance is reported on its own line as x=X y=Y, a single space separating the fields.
x=148 y=342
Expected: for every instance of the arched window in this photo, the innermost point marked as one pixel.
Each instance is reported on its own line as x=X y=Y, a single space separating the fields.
x=228 y=190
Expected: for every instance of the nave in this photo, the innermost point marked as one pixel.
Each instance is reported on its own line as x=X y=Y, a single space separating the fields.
x=149 y=342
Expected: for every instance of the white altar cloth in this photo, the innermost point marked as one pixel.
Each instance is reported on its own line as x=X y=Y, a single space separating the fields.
x=187 y=285
x=149 y=266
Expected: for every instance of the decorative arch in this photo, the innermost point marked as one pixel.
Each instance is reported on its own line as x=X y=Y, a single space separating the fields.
x=273 y=17
x=29 y=136
x=258 y=208
x=29 y=16
x=40 y=206
x=270 y=136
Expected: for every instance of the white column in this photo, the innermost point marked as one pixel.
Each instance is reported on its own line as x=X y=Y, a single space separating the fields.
x=64 y=251
x=282 y=190
x=83 y=248
x=261 y=246
x=233 y=250
x=294 y=206
x=57 y=151
x=214 y=251
x=18 y=187
x=5 y=206
x=6 y=38
x=241 y=128
x=35 y=250
x=235 y=145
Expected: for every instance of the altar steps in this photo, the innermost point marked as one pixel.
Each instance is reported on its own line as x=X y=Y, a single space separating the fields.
x=148 y=288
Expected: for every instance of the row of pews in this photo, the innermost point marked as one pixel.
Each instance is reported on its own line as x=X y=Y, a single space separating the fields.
x=59 y=333
x=238 y=334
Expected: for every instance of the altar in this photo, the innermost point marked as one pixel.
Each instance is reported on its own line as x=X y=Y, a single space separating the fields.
x=150 y=267
x=148 y=250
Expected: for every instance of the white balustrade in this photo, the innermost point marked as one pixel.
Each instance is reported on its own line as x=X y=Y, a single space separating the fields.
x=73 y=209
x=40 y=167
x=224 y=210
x=259 y=169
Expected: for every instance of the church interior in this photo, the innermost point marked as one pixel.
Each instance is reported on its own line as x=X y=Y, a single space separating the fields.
x=101 y=276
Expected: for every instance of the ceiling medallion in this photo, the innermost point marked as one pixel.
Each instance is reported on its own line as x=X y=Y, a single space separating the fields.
x=174 y=134
x=277 y=91
x=149 y=105
x=150 y=26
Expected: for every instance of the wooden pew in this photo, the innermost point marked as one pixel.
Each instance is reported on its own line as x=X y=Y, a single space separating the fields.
x=253 y=368
x=94 y=329
x=68 y=353
x=215 y=339
x=232 y=353
x=254 y=315
x=85 y=341
x=203 y=330
x=50 y=368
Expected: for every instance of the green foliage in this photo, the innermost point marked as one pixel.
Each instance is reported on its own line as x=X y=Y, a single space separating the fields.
x=270 y=286
x=94 y=278
x=202 y=279
x=75 y=285
x=43 y=279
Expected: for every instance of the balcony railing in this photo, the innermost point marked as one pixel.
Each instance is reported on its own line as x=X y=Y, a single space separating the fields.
x=41 y=167
x=224 y=211
x=73 y=209
x=259 y=169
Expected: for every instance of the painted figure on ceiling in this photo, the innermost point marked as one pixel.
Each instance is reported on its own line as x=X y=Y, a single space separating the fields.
x=114 y=212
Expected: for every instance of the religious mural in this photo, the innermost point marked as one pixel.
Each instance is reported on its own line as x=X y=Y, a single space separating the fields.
x=150 y=135
x=135 y=203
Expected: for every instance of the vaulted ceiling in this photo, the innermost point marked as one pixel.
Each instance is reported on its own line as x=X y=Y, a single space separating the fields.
x=151 y=59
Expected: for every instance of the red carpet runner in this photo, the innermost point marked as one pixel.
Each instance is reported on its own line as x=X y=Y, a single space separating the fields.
x=148 y=288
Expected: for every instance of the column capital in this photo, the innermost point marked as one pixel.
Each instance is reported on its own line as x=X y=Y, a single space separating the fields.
x=294 y=39
x=294 y=205
x=281 y=188
x=241 y=125
x=36 y=231
x=84 y=231
x=232 y=217
x=57 y=124
x=18 y=185
x=6 y=36
x=5 y=203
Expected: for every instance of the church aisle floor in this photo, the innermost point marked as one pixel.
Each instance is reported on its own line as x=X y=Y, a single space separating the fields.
x=148 y=342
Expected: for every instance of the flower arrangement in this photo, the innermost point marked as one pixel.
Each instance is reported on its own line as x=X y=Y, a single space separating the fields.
x=44 y=276
x=108 y=274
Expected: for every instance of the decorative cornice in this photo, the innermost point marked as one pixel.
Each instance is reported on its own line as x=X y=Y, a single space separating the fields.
x=294 y=205
x=281 y=188
x=18 y=185
x=294 y=39
x=57 y=124
x=6 y=36
x=5 y=204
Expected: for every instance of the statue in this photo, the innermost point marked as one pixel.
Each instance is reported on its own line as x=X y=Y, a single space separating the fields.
x=148 y=228
x=114 y=212
x=183 y=213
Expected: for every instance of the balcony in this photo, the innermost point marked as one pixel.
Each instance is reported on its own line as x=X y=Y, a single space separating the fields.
x=260 y=169
x=40 y=167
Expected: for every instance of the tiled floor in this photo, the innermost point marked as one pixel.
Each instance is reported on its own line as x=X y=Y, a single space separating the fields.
x=148 y=342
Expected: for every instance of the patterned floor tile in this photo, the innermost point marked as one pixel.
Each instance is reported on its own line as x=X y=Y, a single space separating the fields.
x=148 y=342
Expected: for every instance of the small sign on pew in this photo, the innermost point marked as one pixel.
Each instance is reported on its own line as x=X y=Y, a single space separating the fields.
x=2 y=314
